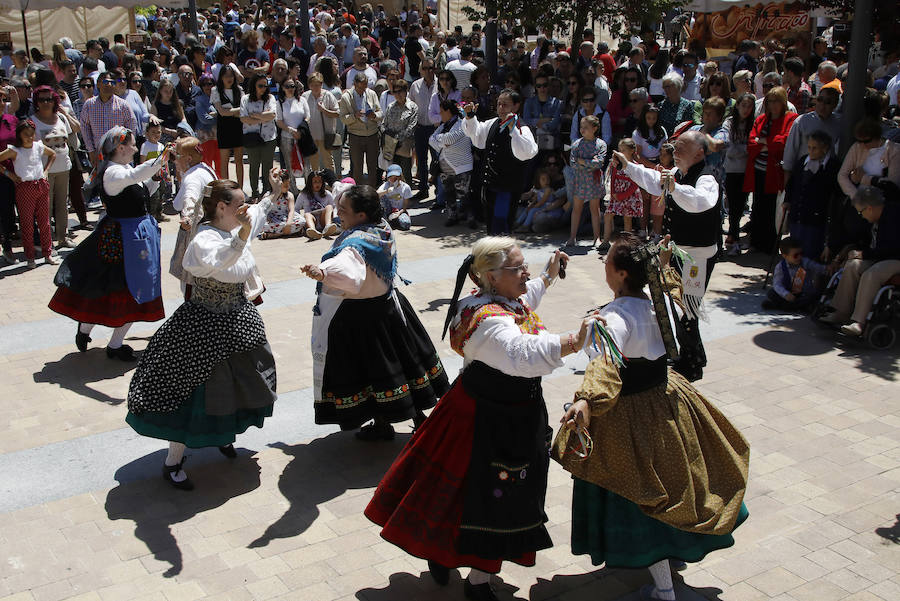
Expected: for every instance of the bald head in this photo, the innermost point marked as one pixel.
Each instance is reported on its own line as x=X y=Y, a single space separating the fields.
x=690 y=148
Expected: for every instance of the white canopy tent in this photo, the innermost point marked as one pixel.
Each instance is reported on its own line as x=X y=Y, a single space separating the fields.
x=81 y=20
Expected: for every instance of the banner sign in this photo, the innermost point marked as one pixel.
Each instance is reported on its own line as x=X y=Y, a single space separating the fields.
x=728 y=28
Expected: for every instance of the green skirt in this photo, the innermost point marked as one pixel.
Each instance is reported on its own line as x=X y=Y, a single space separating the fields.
x=190 y=424
x=614 y=531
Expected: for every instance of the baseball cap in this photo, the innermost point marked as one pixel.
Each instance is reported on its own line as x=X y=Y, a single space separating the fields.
x=394 y=169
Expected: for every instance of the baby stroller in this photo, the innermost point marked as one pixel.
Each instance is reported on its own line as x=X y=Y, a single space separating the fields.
x=883 y=321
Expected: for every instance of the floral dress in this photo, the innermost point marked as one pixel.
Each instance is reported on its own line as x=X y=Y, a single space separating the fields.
x=277 y=218
x=625 y=196
x=588 y=178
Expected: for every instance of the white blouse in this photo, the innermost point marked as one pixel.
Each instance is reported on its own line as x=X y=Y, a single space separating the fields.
x=499 y=343
x=631 y=322
x=117 y=177
x=222 y=255
x=348 y=276
x=267 y=130
x=522 y=141
x=191 y=191
x=293 y=112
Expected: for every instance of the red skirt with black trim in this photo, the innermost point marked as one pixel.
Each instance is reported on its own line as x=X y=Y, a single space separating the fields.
x=419 y=502
x=112 y=310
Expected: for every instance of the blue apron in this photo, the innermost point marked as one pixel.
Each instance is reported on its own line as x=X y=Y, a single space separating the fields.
x=140 y=247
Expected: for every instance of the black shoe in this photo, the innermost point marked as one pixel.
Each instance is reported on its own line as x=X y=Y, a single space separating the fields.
x=170 y=470
x=480 y=592
x=439 y=573
x=437 y=207
x=418 y=420
x=375 y=431
x=451 y=222
x=81 y=340
x=421 y=195
x=228 y=451
x=85 y=226
x=123 y=353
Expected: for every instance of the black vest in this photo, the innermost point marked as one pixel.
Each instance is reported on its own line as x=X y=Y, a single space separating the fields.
x=692 y=229
x=502 y=170
x=130 y=202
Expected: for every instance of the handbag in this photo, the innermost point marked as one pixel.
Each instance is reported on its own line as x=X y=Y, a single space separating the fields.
x=252 y=139
x=388 y=147
x=328 y=139
x=83 y=160
x=305 y=143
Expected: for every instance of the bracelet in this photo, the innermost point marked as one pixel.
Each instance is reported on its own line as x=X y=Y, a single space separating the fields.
x=572 y=345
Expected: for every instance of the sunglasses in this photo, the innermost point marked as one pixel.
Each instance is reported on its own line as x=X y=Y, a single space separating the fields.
x=587 y=100
x=540 y=85
x=689 y=66
x=86 y=86
x=134 y=81
x=107 y=82
x=287 y=87
x=262 y=85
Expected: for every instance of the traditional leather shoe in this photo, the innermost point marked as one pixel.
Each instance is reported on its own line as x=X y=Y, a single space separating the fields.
x=439 y=573
x=228 y=451
x=479 y=592
x=169 y=472
x=375 y=431
x=81 y=340
x=852 y=329
x=123 y=353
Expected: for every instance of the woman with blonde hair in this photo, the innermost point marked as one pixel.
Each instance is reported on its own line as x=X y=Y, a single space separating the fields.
x=468 y=489
x=764 y=175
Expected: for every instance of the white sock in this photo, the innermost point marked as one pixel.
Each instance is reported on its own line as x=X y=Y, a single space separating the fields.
x=662 y=580
x=477 y=577
x=176 y=452
x=86 y=328
x=118 y=336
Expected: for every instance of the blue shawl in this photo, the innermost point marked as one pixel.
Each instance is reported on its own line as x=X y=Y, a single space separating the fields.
x=375 y=243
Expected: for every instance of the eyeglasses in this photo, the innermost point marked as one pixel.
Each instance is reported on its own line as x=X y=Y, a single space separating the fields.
x=540 y=85
x=516 y=268
x=287 y=87
x=44 y=99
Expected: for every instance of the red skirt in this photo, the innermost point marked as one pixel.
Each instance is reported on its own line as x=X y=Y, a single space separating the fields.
x=112 y=310
x=419 y=502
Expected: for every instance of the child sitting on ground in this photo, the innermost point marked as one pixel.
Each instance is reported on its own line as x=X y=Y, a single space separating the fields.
x=318 y=207
x=538 y=199
x=395 y=194
x=284 y=218
x=796 y=283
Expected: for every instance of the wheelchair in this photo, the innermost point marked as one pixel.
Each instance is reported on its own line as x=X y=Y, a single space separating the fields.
x=883 y=320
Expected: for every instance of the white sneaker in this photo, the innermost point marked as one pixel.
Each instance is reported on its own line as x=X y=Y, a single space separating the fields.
x=313 y=234
x=330 y=230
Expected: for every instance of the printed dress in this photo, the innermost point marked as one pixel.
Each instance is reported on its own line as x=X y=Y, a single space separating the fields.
x=208 y=373
x=468 y=489
x=277 y=218
x=625 y=196
x=667 y=474
x=588 y=178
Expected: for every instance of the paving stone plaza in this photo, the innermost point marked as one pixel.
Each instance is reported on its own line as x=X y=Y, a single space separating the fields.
x=85 y=515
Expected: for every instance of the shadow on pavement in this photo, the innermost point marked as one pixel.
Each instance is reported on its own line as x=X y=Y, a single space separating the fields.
x=155 y=507
x=422 y=588
x=804 y=338
x=892 y=534
x=610 y=584
x=76 y=370
x=323 y=469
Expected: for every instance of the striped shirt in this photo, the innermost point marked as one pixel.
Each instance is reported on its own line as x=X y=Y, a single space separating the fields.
x=98 y=117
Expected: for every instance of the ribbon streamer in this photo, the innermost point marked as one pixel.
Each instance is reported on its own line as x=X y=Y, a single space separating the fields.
x=603 y=342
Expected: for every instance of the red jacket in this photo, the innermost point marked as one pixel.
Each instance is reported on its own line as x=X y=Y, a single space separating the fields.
x=778 y=133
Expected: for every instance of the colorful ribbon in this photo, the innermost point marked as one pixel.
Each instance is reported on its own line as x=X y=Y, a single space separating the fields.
x=605 y=345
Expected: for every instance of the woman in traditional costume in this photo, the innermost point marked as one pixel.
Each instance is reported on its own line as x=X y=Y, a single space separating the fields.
x=208 y=373
x=469 y=488
x=113 y=277
x=372 y=358
x=195 y=176
x=667 y=474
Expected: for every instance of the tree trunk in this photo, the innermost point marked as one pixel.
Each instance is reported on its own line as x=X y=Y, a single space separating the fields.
x=581 y=19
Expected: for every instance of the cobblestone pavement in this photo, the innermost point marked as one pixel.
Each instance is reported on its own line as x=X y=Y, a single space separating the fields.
x=85 y=515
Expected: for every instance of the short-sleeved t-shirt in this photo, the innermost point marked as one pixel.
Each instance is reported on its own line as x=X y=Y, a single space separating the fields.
x=252 y=60
x=29 y=163
x=56 y=138
x=413 y=48
x=396 y=194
